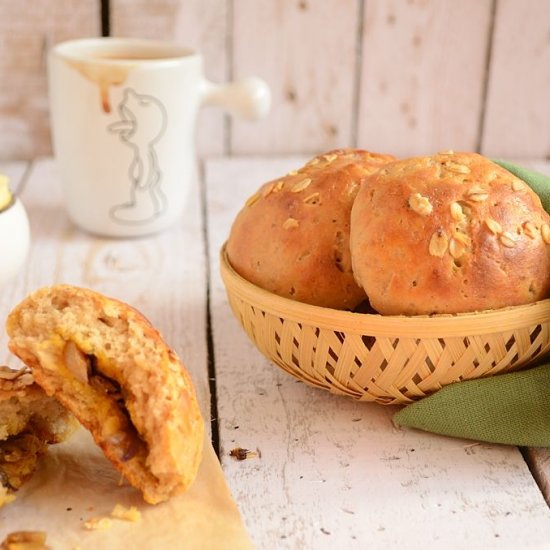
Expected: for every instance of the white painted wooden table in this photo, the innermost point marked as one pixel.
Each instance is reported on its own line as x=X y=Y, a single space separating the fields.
x=332 y=473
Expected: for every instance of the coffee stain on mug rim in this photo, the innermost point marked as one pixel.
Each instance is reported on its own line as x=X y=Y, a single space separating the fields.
x=104 y=76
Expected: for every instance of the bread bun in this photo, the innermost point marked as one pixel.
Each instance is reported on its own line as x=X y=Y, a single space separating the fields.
x=292 y=236
x=29 y=422
x=107 y=364
x=449 y=233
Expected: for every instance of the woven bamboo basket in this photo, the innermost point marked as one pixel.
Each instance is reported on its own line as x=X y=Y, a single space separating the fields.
x=386 y=359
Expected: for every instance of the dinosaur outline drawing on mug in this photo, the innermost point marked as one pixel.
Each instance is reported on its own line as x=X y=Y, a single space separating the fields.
x=142 y=123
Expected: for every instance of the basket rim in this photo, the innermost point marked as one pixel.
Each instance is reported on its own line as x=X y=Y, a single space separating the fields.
x=421 y=326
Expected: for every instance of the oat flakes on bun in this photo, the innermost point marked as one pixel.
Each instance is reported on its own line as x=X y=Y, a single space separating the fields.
x=449 y=233
x=292 y=236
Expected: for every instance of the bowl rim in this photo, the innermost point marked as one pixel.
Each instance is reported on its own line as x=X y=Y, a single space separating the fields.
x=399 y=326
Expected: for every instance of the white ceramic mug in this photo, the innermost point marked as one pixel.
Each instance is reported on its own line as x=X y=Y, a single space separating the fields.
x=123 y=117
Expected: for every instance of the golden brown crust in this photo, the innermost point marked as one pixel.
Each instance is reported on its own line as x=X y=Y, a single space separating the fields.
x=106 y=363
x=292 y=236
x=449 y=233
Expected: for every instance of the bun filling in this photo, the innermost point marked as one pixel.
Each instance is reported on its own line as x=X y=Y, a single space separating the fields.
x=19 y=456
x=118 y=429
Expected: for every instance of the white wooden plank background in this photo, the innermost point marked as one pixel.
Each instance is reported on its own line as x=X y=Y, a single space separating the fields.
x=402 y=77
x=337 y=474
x=517 y=120
x=422 y=78
x=306 y=52
x=163 y=276
x=27 y=29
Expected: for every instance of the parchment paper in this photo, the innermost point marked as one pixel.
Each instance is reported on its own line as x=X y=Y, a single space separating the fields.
x=75 y=483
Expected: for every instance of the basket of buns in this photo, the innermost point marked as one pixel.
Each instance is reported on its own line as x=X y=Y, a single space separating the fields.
x=386 y=279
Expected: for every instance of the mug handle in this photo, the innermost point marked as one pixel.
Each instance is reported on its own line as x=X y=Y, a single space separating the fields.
x=249 y=98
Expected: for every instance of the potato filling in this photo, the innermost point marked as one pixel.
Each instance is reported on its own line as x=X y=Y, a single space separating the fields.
x=85 y=368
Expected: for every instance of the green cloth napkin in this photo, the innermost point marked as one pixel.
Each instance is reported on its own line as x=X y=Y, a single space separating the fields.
x=512 y=409
x=539 y=183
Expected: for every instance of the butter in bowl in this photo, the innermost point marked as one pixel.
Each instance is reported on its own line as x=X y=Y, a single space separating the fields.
x=14 y=233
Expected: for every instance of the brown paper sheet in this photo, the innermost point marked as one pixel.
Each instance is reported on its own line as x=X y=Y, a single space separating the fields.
x=75 y=483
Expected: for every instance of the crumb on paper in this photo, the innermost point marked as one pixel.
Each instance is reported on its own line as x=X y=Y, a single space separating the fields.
x=471 y=449
x=127 y=514
x=96 y=524
x=243 y=454
x=25 y=540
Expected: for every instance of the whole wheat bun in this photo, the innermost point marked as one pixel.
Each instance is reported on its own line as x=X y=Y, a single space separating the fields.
x=292 y=236
x=449 y=233
x=110 y=367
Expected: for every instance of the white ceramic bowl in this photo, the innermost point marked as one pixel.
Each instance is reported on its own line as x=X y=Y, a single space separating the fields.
x=14 y=241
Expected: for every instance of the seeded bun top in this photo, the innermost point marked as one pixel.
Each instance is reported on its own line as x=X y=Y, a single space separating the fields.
x=447 y=234
x=292 y=236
